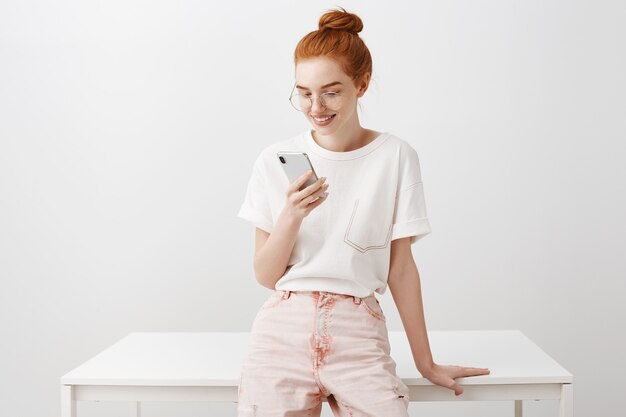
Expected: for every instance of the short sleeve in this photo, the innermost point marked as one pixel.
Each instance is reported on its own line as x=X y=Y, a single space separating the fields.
x=256 y=207
x=409 y=216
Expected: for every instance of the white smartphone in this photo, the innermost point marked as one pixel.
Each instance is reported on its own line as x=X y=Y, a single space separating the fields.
x=295 y=164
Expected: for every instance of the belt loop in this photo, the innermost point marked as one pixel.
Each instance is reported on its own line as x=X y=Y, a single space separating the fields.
x=357 y=300
x=287 y=294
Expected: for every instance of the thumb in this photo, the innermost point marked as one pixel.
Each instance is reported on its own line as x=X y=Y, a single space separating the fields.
x=454 y=386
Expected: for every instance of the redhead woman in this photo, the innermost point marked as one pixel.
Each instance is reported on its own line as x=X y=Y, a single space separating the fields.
x=325 y=251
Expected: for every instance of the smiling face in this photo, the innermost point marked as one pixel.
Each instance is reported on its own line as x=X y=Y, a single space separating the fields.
x=318 y=75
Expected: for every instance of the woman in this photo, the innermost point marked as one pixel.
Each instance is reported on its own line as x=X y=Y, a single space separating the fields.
x=324 y=253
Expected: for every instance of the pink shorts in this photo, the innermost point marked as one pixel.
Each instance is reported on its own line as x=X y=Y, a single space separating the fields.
x=307 y=345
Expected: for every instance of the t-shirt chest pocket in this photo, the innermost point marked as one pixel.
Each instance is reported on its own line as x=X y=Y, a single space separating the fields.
x=369 y=225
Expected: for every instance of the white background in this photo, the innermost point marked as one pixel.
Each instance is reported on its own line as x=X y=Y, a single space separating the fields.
x=128 y=131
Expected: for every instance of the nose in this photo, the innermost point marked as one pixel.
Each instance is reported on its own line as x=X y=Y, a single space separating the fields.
x=317 y=106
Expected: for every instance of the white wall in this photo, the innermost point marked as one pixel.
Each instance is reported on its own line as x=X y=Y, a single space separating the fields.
x=128 y=130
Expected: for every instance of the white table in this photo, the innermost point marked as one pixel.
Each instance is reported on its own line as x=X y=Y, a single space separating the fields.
x=205 y=366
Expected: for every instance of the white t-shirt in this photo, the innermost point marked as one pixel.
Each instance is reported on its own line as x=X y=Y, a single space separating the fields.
x=344 y=245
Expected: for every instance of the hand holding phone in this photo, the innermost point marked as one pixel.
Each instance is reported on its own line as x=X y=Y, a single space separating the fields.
x=306 y=191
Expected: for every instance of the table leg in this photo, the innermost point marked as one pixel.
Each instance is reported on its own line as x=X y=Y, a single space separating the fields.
x=68 y=403
x=566 y=403
x=518 y=408
x=135 y=409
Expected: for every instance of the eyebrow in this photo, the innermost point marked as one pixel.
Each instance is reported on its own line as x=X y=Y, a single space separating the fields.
x=324 y=86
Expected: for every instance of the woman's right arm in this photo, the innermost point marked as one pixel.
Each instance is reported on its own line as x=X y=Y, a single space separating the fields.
x=273 y=250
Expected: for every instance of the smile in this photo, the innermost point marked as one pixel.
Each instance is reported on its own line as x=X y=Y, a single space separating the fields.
x=324 y=118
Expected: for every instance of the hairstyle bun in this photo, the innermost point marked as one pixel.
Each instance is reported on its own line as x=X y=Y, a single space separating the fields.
x=337 y=38
x=341 y=20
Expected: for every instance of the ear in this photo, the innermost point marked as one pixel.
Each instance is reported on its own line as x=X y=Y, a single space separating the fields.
x=363 y=84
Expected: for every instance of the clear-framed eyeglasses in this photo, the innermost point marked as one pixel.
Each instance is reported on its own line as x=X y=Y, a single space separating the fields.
x=303 y=102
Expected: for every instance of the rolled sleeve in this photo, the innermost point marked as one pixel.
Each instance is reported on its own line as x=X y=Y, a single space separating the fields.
x=256 y=206
x=410 y=217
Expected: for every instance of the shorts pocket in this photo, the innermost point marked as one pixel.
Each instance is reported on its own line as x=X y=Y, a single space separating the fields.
x=369 y=226
x=273 y=300
x=373 y=308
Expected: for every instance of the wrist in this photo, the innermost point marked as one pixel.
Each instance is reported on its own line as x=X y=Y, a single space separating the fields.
x=426 y=369
x=289 y=216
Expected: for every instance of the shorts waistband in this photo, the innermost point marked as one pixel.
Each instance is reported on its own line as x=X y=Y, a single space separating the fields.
x=287 y=293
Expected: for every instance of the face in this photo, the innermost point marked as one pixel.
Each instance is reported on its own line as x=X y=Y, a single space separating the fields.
x=315 y=76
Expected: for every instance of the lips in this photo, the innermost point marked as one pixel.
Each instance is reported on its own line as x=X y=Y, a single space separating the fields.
x=323 y=118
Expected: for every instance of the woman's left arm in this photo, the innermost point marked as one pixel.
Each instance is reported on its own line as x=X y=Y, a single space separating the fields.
x=405 y=287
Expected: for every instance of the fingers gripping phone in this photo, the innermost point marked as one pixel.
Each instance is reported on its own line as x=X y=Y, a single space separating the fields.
x=295 y=164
